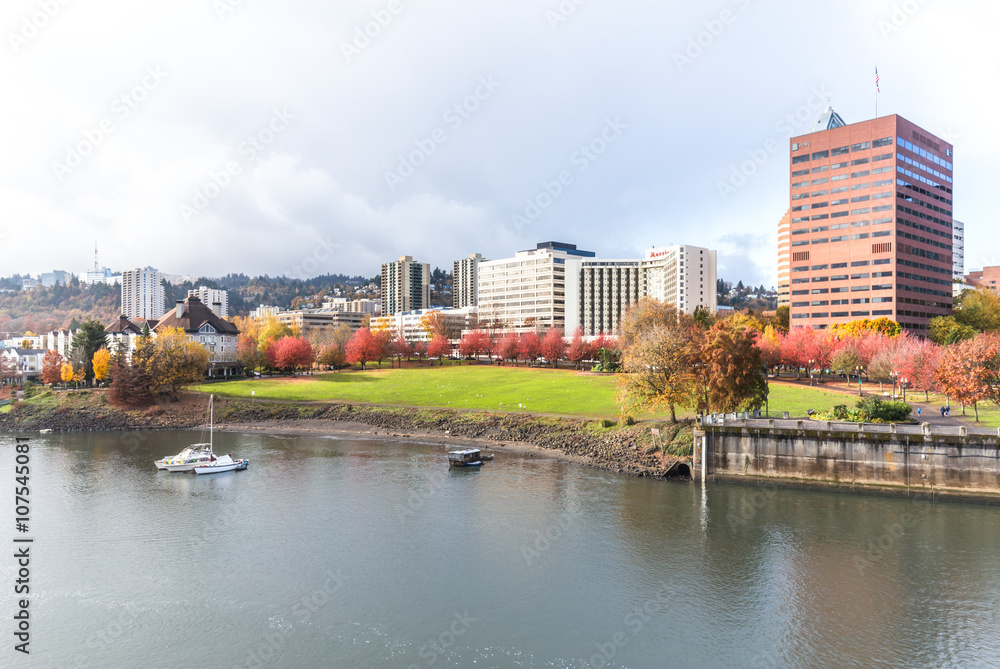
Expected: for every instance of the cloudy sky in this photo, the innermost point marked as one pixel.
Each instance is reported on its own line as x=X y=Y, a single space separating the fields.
x=305 y=137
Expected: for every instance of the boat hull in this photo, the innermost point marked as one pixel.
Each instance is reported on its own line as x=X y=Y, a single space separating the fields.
x=477 y=463
x=218 y=469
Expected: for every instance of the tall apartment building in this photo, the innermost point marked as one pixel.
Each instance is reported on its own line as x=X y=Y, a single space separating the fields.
x=465 y=282
x=599 y=292
x=406 y=286
x=528 y=291
x=872 y=228
x=142 y=294
x=216 y=300
x=784 y=259
x=958 y=250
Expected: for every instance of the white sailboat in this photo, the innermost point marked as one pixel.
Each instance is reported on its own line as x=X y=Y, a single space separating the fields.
x=195 y=454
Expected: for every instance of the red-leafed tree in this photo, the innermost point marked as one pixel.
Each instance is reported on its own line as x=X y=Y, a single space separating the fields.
x=507 y=347
x=578 y=350
x=553 y=346
x=474 y=344
x=420 y=349
x=401 y=348
x=923 y=365
x=290 y=354
x=52 y=364
x=970 y=370
x=363 y=348
x=529 y=346
x=769 y=343
x=383 y=345
x=439 y=347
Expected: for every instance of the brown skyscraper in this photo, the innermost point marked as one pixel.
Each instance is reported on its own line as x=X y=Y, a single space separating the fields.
x=871 y=228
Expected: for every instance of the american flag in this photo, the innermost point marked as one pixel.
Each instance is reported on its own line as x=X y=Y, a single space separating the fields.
x=876 y=80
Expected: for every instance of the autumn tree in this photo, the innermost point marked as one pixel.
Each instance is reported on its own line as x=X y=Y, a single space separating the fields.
x=435 y=323
x=733 y=368
x=8 y=371
x=248 y=353
x=553 y=346
x=383 y=345
x=130 y=386
x=529 y=346
x=970 y=371
x=507 y=346
x=439 y=347
x=100 y=364
x=89 y=340
x=362 y=348
x=659 y=365
x=578 y=350
x=332 y=356
x=170 y=361
x=66 y=373
x=769 y=343
x=52 y=364
x=290 y=354
x=401 y=349
x=420 y=349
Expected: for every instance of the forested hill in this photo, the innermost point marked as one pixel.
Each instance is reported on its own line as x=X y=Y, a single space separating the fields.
x=43 y=309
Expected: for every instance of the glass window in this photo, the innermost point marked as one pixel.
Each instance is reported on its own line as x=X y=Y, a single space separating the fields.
x=838 y=265
x=800 y=173
x=863 y=173
x=838 y=189
x=859 y=263
x=816 y=182
x=817 y=268
x=859 y=161
x=885 y=141
x=820 y=154
x=821 y=228
x=837 y=166
x=822 y=168
x=861 y=147
x=860 y=198
x=800 y=159
x=839 y=177
x=854 y=186
x=839 y=151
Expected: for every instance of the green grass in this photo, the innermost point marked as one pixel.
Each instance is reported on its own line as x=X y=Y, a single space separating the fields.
x=491 y=388
x=464 y=387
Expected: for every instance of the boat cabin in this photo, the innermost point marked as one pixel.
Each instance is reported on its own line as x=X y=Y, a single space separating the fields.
x=465 y=458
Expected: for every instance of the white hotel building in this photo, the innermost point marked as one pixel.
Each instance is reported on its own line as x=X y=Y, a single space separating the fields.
x=528 y=291
x=598 y=292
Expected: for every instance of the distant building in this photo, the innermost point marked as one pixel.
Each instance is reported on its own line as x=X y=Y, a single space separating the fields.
x=408 y=323
x=465 y=281
x=142 y=293
x=121 y=334
x=987 y=277
x=204 y=327
x=60 y=341
x=102 y=275
x=785 y=259
x=527 y=291
x=28 y=283
x=406 y=286
x=304 y=319
x=55 y=278
x=27 y=360
x=370 y=307
x=262 y=311
x=958 y=250
x=599 y=292
x=216 y=300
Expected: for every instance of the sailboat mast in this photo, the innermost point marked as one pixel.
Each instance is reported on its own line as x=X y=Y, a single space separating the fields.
x=211 y=422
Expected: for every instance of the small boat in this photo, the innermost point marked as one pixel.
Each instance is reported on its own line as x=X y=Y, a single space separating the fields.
x=195 y=455
x=45 y=431
x=221 y=464
x=469 y=457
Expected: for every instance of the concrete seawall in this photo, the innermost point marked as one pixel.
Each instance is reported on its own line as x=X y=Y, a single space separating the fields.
x=957 y=462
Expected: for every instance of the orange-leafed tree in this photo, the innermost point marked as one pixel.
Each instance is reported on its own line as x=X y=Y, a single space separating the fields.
x=66 y=373
x=52 y=364
x=970 y=371
x=734 y=368
x=101 y=364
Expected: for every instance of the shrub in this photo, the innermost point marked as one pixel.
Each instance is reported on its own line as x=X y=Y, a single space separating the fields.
x=607 y=422
x=629 y=420
x=874 y=409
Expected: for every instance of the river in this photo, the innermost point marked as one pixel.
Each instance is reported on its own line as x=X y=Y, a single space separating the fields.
x=329 y=552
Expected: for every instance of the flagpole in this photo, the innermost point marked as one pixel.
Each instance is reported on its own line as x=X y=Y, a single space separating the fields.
x=876 y=91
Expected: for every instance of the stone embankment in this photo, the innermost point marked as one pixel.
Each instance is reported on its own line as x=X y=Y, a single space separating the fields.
x=625 y=449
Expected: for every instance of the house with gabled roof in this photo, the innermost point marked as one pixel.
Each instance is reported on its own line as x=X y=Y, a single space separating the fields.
x=204 y=327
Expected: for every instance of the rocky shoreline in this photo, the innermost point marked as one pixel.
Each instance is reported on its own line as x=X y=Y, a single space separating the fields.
x=624 y=449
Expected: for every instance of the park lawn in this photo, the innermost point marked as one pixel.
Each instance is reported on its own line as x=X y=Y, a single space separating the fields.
x=797 y=400
x=478 y=387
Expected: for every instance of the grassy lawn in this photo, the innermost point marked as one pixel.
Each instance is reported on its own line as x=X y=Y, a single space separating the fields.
x=796 y=400
x=464 y=387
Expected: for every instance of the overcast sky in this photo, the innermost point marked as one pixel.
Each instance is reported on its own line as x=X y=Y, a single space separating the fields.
x=303 y=137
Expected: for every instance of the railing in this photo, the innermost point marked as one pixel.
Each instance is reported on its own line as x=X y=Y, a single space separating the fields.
x=744 y=420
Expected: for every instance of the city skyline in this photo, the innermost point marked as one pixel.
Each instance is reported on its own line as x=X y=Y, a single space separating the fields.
x=644 y=121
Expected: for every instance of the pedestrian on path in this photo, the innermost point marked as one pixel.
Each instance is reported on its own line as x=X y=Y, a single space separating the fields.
x=918 y=412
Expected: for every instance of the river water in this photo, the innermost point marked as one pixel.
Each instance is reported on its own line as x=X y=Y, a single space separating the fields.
x=350 y=553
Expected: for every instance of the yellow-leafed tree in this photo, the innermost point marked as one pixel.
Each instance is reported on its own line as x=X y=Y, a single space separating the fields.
x=172 y=361
x=67 y=372
x=102 y=362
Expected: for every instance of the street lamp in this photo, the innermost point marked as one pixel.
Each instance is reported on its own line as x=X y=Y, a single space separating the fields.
x=859 y=369
x=902 y=384
x=811 y=361
x=893 y=376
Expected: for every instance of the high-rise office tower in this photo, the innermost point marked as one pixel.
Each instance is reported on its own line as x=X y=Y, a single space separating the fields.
x=871 y=224
x=464 y=280
x=406 y=286
x=142 y=294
